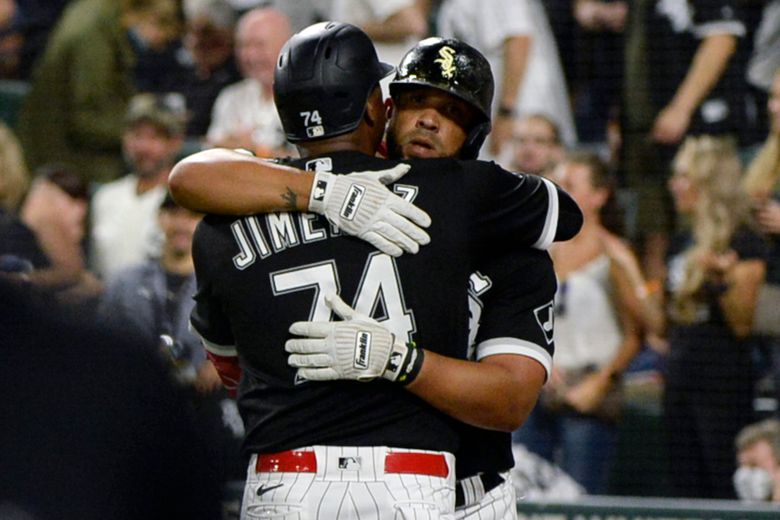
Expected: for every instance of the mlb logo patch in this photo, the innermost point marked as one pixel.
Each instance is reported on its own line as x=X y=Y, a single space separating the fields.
x=349 y=463
x=315 y=131
x=321 y=164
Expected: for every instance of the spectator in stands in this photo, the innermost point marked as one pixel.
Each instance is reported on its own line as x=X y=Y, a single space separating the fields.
x=55 y=212
x=19 y=250
x=757 y=478
x=74 y=111
x=535 y=146
x=14 y=177
x=715 y=269
x=394 y=26
x=124 y=212
x=598 y=69
x=41 y=229
x=762 y=183
x=92 y=428
x=515 y=37
x=244 y=114
x=763 y=62
x=682 y=78
x=155 y=297
x=205 y=64
x=24 y=31
x=575 y=423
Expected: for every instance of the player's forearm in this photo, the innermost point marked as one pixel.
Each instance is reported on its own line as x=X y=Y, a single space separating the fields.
x=408 y=22
x=516 y=52
x=497 y=393
x=226 y=182
x=707 y=67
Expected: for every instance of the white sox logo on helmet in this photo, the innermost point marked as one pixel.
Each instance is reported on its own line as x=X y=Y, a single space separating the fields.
x=447 y=62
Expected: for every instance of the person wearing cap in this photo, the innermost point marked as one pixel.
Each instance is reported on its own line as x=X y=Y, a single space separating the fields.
x=124 y=212
x=154 y=296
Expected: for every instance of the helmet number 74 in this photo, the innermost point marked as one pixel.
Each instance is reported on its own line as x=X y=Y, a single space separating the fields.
x=311 y=117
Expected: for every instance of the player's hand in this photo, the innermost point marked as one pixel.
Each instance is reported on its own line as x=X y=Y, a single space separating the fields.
x=671 y=124
x=768 y=217
x=358 y=348
x=361 y=205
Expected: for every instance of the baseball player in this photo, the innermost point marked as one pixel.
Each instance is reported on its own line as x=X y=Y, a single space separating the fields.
x=511 y=309
x=237 y=270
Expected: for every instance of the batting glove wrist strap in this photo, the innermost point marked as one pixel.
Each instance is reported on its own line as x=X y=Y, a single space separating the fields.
x=321 y=191
x=405 y=363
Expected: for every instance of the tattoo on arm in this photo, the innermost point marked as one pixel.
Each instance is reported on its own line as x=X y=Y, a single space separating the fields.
x=290 y=199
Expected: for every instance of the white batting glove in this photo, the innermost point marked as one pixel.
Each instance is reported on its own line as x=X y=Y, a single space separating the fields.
x=358 y=348
x=361 y=205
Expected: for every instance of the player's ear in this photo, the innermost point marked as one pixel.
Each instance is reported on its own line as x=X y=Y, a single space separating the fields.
x=389 y=108
x=375 y=110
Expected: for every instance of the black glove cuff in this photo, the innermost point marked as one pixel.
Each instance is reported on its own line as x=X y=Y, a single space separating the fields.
x=412 y=364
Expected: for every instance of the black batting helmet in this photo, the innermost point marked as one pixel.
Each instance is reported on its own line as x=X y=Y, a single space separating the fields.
x=323 y=78
x=457 y=68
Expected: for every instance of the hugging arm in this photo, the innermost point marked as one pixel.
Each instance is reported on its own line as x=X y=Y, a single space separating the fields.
x=233 y=183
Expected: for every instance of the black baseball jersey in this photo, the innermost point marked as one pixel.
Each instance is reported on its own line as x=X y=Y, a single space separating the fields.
x=675 y=29
x=258 y=274
x=512 y=313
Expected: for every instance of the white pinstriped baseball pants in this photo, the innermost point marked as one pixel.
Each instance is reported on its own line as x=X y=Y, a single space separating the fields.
x=350 y=483
x=500 y=503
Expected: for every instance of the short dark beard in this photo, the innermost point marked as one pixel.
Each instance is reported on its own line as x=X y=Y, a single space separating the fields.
x=393 y=150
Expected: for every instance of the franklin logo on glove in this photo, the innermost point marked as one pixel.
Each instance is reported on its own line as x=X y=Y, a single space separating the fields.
x=352 y=202
x=362 y=349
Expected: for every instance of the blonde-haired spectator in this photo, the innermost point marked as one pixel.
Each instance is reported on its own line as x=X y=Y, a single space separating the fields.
x=762 y=183
x=763 y=173
x=14 y=177
x=713 y=275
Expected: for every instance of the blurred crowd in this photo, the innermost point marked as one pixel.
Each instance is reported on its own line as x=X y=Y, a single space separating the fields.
x=660 y=117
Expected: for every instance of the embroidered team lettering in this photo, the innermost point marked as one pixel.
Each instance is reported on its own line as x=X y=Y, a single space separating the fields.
x=259 y=237
x=447 y=62
x=362 y=349
x=352 y=202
